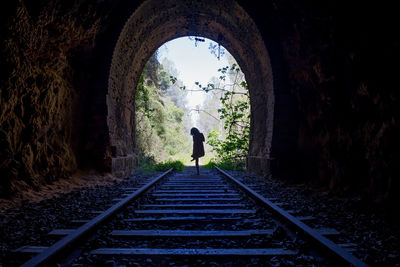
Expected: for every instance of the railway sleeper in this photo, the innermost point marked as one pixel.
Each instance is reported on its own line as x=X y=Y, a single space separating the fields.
x=189 y=233
x=265 y=252
x=199 y=203
x=197 y=211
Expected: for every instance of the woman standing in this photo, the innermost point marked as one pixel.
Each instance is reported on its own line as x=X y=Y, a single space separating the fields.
x=198 y=148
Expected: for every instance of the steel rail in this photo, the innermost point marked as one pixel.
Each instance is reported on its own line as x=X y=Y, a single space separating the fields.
x=65 y=243
x=327 y=245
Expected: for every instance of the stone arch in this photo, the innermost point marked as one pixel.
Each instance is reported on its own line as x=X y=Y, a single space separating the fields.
x=156 y=22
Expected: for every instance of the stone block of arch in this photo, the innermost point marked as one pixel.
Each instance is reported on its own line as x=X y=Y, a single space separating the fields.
x=156 y=22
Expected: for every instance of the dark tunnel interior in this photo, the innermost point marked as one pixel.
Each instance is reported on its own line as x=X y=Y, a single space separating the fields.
x=322 y=75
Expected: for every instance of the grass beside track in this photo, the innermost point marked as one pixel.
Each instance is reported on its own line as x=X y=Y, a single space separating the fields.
x=177 y=165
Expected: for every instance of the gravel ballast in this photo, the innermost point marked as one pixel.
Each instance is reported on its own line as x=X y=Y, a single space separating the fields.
x=375 y=237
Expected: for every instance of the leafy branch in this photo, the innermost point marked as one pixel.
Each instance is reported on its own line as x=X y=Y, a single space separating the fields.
x=231 y=145
x=208 y=113
x=234 y=111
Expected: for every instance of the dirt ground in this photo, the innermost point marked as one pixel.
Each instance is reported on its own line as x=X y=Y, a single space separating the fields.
x=80 y=180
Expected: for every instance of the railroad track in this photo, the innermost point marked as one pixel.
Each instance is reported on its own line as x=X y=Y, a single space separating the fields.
x=183 y=219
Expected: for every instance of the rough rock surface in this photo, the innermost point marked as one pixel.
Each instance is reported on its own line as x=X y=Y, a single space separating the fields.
x=38 y=94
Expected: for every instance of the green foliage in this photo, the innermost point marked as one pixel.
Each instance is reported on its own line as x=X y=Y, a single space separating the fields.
x=160 y=134
x=232 y=141
x=177 y=165
x=226 y=165
x=148 y=165
x=163 y=80
x=231 y=145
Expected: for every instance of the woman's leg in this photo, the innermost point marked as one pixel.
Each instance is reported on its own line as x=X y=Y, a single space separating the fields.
x=197 y=166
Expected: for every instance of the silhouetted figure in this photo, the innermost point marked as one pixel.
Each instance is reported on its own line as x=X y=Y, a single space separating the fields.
x=198 y=148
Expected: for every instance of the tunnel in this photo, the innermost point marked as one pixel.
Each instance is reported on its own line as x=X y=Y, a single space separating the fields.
x=321 y=180
x=323 y=99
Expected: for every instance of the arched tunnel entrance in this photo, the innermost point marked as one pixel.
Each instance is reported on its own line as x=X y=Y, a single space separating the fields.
x=155 y=23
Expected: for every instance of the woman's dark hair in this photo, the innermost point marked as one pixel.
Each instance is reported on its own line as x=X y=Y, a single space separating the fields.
x=194 y=131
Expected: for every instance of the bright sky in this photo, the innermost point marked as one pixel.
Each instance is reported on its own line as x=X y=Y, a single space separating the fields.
x=194 y=64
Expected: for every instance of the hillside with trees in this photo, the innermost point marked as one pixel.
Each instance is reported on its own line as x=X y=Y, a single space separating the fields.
x=161 y=125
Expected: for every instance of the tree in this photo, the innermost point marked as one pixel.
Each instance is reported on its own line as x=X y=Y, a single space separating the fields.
x=232 y=141
x=233 y=144
x=160 y=134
